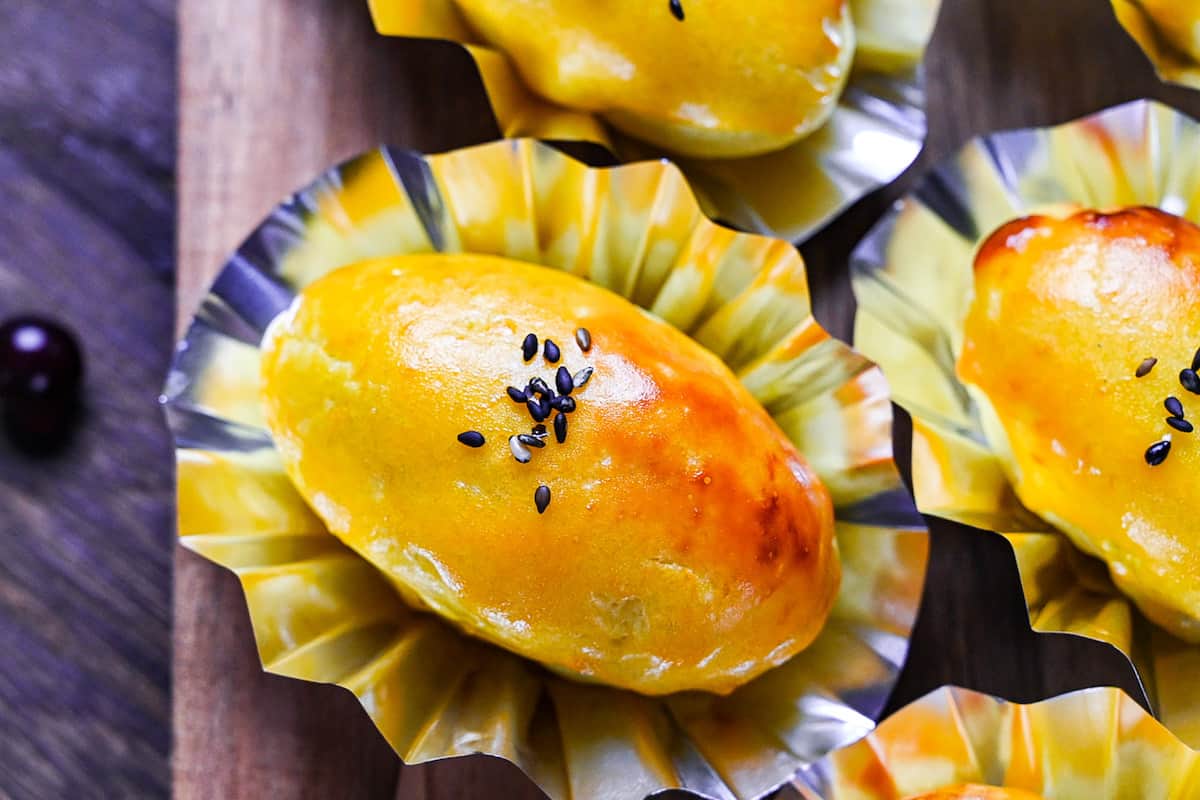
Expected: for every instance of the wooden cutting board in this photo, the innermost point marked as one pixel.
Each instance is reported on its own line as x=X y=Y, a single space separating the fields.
x=273 y=91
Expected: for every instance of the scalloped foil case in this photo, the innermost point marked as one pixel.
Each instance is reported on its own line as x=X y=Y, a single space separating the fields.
x=912 y=276
x=1168 y=31
x=1095 y=744
x=874 y=135
x=321 y=613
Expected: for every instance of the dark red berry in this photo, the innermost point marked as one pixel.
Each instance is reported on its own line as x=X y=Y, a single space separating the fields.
x=40 y=425
x=37 y=358
x=41 y=368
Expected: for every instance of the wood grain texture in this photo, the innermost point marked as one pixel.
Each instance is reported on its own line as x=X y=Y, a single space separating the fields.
x=273 y=91
x=86 y=159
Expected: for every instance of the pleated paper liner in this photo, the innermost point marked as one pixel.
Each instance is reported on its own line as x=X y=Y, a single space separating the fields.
x=874 y=135
x=1166 y=32
x=321 y=613
x=1095 y=744
x=913 y=277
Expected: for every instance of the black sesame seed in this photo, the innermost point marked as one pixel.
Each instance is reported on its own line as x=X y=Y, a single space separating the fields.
x=1174 y=407
x=1190 y=380
x=1157 y=453
x=582 y=377
x=564 y=403
x=560 y=427
x=676 y=9
x=546 y=404
x=1144 y=368
x=471 y=438
x=1196 y=362
x=535 y=410
x=562 y=379
x=1180 y=424
x=541 y=498
x=520 y=451
x=517 y=395
x=539 y=430
x=583 y=338
x=530 y=439
x=539 y=386
x=529 y=347
x=551 y=352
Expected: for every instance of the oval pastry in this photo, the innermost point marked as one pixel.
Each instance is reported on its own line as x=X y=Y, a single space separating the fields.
x=673 y=540
x=700 y=79
x=974 y=791
x=1081 y=337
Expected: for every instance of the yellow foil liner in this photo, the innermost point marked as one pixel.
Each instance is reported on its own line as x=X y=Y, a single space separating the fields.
x=1095 y=744
x=322 y=613
x=1168 y=31
x=876 y=132
x=913 y=279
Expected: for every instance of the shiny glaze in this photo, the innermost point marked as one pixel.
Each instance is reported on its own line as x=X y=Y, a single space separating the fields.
x=730 y=79
x=687 y=546
x=1064 y=312
x=974 y=791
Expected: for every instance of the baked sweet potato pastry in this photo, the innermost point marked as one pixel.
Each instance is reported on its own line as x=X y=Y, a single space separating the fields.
x=551 y=469
x=1081 y=341
x=695 y=78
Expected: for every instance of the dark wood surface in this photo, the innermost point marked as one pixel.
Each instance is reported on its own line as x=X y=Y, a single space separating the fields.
x=270 y=92
x=87 y=145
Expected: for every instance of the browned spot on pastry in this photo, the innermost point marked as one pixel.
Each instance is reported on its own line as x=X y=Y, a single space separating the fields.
x=768 y=512
x=768 y=548
x=1146 y=224
x=772 y=467
x=999 y=240
x=771 y=520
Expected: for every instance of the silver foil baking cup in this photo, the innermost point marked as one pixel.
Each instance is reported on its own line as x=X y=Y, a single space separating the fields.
x=1166 y=32
x=875 y=133
x=913 y=278
x=322 y=613
x=1094 y=744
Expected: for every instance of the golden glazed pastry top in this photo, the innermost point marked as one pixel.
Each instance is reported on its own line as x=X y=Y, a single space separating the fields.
x=1065 y=312
x=685 y=545
x=729 y=79
x=974 y=791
